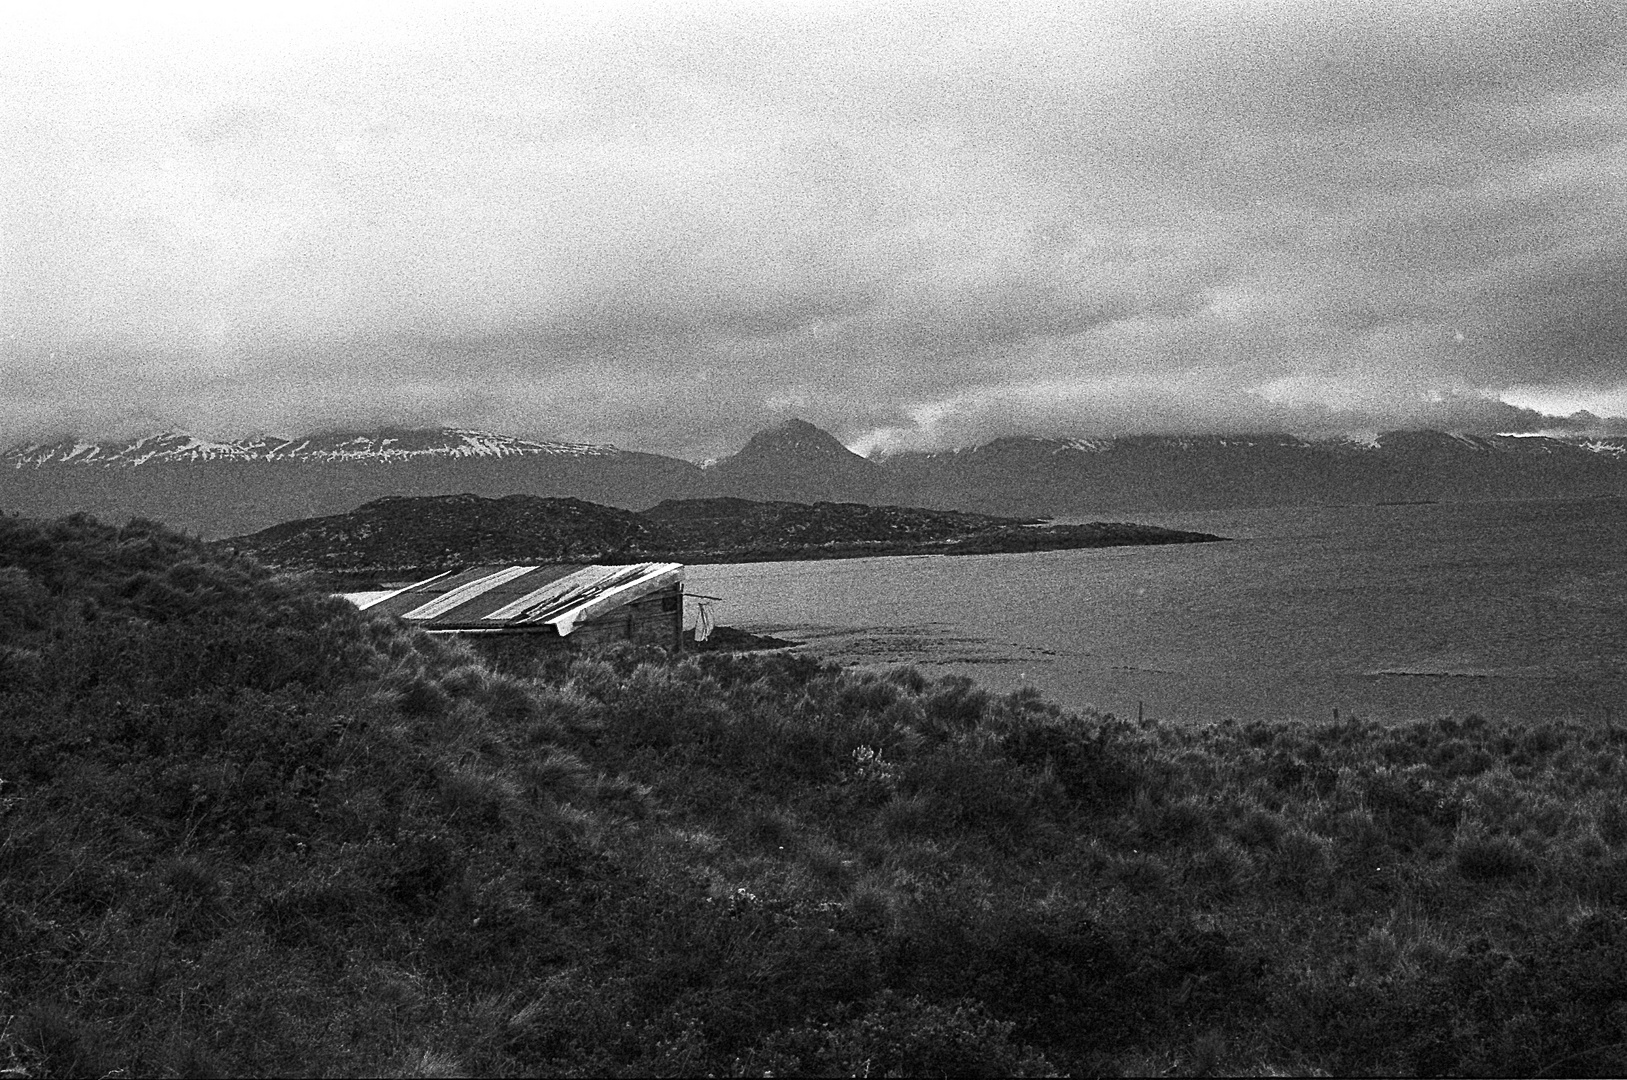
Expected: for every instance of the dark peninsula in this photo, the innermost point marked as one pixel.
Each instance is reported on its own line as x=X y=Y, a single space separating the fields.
x=396 y=537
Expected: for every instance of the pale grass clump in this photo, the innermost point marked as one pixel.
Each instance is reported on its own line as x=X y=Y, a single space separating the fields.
x=1301 y=860
x=827 y=861
x=1482 y=856
x=477 y=792
x=906 y=817
x=1139 y=871
x=562 y=710
x=466 y=680
x=425 y=1064
x=557 y=773
x=871 y=905
x=509 y=701
x=1223 y=869
x=567 y=820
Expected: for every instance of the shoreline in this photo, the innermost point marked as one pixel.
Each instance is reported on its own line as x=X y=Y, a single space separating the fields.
x=1028 y=543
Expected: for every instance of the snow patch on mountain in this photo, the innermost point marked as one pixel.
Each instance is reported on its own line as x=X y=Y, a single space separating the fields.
x=1083 y=446
x=416 y=445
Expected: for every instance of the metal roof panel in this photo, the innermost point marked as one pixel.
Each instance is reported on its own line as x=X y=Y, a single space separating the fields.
x=404 y=600
x=525 y=597
x=486 y=607
x=454 y=598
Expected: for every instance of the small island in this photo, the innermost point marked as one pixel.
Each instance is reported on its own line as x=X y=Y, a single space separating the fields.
x=395 y=538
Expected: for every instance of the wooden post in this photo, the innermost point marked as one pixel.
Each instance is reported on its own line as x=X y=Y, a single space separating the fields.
x=678 y=622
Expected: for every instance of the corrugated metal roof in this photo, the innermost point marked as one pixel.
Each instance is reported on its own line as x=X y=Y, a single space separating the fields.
x=521 y=597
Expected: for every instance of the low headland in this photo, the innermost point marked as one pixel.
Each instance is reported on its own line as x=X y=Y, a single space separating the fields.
x=407 y=538
x=247 y=829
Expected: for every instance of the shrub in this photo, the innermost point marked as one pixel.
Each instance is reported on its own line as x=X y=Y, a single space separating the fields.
x=1260 y=828
x=1489 y=858
x=867 y=694
x=905 y=1037
x=422 y=696
x=770 y=830
x=1222 y=869
x=55 y=1041
x=909 y=678
x=967 y=788
x=1183 y=820
x=1139 y=870
x=956 y=703
x=558 y=773
x=509 y=701
x=1612 y=820
x=906 y=816
x=23 y=603
x=476 y=795
x=1301 y=860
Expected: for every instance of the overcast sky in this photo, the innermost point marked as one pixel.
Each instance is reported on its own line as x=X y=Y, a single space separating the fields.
x=666 y=226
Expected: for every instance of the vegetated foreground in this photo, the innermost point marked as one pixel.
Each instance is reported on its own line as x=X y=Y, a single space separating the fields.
x=245 y=828
x=400 y=535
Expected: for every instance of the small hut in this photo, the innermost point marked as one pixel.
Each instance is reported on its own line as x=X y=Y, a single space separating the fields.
x=543 y=606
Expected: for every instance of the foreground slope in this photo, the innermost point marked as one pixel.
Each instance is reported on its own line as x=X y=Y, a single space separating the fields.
x=246 y=830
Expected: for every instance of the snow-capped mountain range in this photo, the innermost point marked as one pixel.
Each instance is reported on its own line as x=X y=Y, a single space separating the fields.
x=1390 y=440
x=230 y=488
x=381 y=446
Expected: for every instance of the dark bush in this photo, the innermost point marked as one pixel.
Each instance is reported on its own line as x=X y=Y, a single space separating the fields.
x=24 y=603
x=59 y=1042
x=956 y=703
x=1490 y=858
x=867 y=694
x=1613 y=823
x=904 y=1037
x=422 y=696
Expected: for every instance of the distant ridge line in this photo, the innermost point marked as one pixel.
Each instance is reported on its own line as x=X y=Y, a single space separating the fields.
x=226 y=488
x=385 y=445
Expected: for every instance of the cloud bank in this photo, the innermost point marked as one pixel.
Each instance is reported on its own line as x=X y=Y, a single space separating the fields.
x=919 y=225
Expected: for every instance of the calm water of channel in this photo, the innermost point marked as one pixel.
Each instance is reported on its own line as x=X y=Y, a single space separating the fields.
x=1514 y=608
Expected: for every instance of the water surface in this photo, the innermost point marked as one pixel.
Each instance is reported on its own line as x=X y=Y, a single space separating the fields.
x=1513 y=608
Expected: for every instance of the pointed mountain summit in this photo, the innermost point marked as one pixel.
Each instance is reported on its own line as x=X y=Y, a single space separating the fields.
x=800 y=437
x=797 y=462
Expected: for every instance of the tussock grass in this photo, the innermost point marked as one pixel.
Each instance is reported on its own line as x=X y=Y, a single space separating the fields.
x=246 y=829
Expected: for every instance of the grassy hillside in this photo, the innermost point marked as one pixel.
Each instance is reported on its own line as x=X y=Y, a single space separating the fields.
x=246 y=829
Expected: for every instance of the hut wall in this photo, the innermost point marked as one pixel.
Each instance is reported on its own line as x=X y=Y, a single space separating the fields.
x=657 y=619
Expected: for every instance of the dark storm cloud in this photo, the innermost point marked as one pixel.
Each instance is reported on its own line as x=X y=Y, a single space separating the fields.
x=916 y=224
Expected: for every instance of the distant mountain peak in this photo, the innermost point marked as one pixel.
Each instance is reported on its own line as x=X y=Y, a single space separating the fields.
x=798 y=461
x=798 y=437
